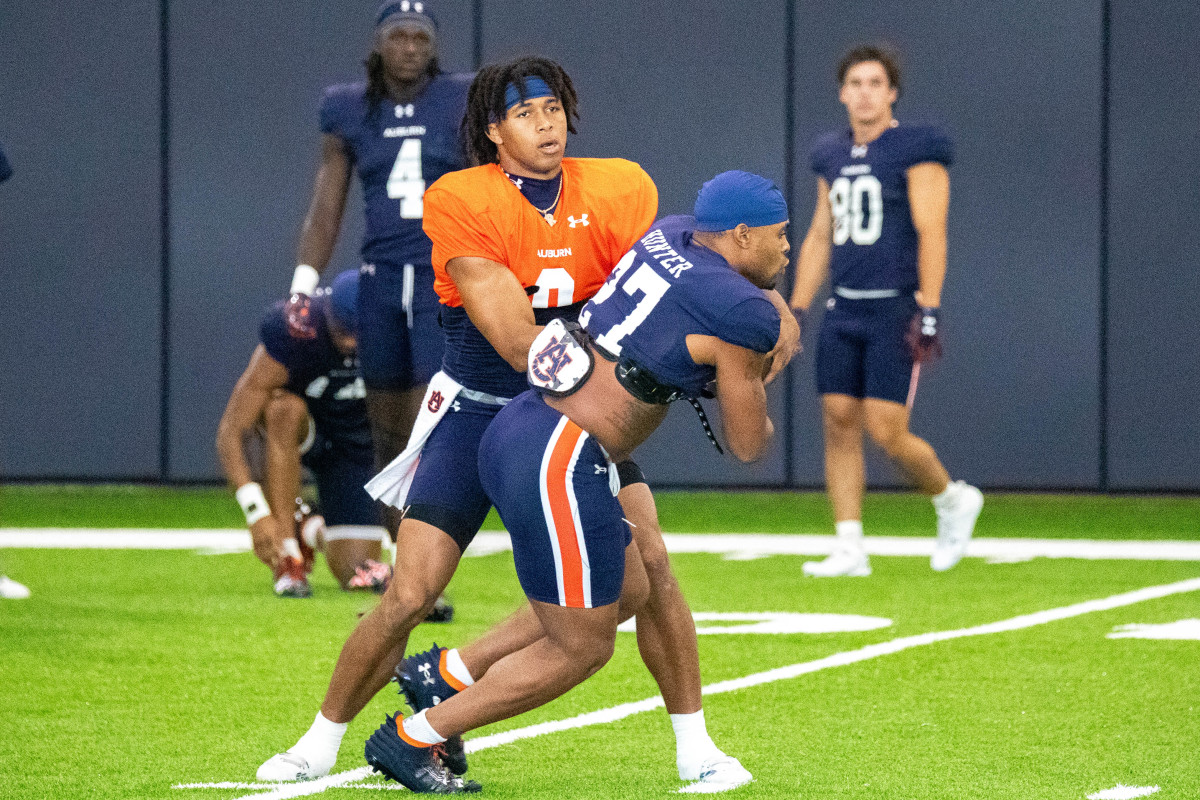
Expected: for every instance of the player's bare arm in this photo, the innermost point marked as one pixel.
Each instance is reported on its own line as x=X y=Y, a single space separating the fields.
x=812 y=268
x=929 y=198
x=497 y=305
x=788 y=345
x=318 y=236
x=740 y=393
x=262 y=377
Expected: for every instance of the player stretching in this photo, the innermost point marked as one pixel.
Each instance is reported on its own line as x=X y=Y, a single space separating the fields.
x=682 y=308
x=525 y=237
x=883 y=194
x=305 y=398
x=399 y=130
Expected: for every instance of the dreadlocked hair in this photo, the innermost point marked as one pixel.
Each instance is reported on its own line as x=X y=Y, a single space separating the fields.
x=376 y=85
x=485 y=101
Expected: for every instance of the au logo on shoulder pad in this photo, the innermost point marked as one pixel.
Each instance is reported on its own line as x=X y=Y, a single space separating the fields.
x=559 y=361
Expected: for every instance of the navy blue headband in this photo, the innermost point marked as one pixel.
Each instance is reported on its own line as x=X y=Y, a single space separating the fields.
x=737 y=197
x=398 y=11
x=534 y=87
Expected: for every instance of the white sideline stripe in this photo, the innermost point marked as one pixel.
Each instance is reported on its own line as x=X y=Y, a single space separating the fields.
x=1122 y=792
x=624 y=710
x=738 y=545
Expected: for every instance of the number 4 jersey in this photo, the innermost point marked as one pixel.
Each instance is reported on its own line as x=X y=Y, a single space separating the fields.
x=875 y=243
x=398 y=150
x=604 y=206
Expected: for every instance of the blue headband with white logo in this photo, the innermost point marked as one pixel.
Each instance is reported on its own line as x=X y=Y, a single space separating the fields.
x=396 y=12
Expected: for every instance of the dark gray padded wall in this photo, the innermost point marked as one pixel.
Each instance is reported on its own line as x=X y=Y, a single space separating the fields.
x=650 y=91
x=1015 y=402
x=1154 y=247
x=79 y=240
x=246 y=83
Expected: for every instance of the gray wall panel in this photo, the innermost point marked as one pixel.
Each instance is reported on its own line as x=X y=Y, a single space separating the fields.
x=649 y=92
x=1154 y=247
x=246 y=84
x=1016 y=400
x=79 y=240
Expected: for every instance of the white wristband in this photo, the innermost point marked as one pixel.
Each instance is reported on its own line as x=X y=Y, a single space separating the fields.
x=253 y=502
x=305 y=280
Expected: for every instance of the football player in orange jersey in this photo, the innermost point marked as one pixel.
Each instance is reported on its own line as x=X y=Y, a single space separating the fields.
x=525 y=236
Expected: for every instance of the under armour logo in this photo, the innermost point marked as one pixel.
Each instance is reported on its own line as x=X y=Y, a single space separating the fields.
x=517 y=182
x=435 y=401
x=583 y=220
x=858 y=151
x=404 y=111
x=455 y=406
x=599 y=469
x=409 y=6
x=366 y=269
x=425 y=670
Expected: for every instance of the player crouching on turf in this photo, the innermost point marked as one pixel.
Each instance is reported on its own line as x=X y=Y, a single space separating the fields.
x=304 y=398
x=685 y=306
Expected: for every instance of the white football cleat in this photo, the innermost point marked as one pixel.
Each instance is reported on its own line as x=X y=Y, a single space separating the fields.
x=719 y=774
x=11 y=590
x=289 y=766
x=846 y=560
x=955 y=525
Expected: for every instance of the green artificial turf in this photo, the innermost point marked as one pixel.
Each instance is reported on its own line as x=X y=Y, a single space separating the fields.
x=129 y=672
x=895 y=514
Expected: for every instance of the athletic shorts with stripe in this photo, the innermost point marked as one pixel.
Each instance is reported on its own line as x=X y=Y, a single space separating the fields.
x=550 y=482
x=400 y=341
x=861 y=350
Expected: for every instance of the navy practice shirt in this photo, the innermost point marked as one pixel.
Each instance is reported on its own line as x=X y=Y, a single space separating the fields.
x=327 y=379
x=668 y=287
x=874 y=241
x=398 y=151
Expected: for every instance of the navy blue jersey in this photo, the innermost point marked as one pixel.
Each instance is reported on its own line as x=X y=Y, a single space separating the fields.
x=5 y=168
x=667 y=287
x=327 y=379
x=875 y=243
x=398 y=151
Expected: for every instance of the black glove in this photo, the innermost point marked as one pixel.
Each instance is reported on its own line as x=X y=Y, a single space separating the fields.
x=299 y=314
x=924 y=337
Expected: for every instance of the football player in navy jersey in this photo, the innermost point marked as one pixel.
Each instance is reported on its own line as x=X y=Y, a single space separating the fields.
x=684 y=307
x=305 y=398
x=883 y=194
x=399 y=131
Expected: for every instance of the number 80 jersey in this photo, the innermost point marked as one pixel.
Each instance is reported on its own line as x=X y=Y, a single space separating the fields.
x=874 y=241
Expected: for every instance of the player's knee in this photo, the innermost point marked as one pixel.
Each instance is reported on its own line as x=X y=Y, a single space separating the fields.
x=284 y=414
x=841 y=419
x=886 y=434
x=404 y=606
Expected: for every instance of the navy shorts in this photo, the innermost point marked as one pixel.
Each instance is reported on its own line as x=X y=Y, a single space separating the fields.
x=861 y=350
x=341 y=470
x=400 y=341
x=446 y=491
x=549 y=480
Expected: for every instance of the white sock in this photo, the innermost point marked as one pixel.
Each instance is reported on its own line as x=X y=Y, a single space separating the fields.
x=850 y=532
x=417 y=727
x=320 y=744
x=692 y=744
x=456 y=667
x=948 y=496
x=292 y=548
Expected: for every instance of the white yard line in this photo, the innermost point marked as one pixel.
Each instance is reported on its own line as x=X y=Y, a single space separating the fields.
x=770 y=676
x=733 y=545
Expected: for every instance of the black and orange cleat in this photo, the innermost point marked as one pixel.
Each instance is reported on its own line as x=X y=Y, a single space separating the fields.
x=412 y=764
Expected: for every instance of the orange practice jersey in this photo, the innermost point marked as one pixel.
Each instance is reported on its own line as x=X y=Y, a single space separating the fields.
x=605 y=206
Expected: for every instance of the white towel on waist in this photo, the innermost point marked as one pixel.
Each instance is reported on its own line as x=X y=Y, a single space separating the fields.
x=392 y=483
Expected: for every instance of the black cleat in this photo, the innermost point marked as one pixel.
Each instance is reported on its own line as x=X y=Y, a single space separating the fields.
x=442 y=611
x=422 y=684
x=417 y=768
